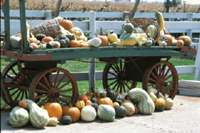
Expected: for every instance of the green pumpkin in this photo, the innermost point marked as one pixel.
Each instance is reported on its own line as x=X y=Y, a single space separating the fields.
x=121 y=111
x=95 y=105
x=66 y=120
x=119 y=98
x=128 y=27
x=40 y=36
x=159 y=104
x=111 y=94
x=106 y=112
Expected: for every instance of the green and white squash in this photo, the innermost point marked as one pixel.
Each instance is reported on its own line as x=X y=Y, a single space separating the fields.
x=18 y=117
x=146 y=104
x=88 y=113
x=106 y=112
x=39 y=118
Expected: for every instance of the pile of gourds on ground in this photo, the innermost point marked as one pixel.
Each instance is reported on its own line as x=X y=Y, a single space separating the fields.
x=106 y=104
x=74 y=37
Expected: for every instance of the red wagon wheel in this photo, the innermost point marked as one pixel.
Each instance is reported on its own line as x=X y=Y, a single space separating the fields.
x=163 y=77
x=14 y=84
x=54 y=85
x=114 y=77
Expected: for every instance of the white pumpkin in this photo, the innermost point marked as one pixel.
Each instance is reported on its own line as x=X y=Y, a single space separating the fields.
x=88 y=113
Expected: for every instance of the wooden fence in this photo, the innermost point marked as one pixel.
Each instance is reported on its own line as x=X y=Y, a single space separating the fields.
x=188 y=26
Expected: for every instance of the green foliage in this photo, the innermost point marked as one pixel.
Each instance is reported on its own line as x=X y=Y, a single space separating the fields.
x=172 y=3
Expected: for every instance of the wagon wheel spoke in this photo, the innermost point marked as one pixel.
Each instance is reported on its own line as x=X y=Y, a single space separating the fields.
x=71 y=89
x=155 y=77
x=67 y=96
x=167 y=72
x=41 y=102
x=47 y=83
x=163 y=70
x=55 y=82
x=61 y=99
x=168 y=77
x=64 y=85
x=19 y=92
x=154 y=81
x=114 y=69
x=61 y=81
x=168 y=93
x=43 y=86
x=114 y=86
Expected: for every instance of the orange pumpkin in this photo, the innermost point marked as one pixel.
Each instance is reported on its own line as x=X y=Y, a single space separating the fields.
x=180 y=43
x=33 y=40
x=47 y=39
x=104 y=100
x=80 y=104
x=104 y=40
x=88 y=103
x=83 y=97
x=74 y=43
x=66 y=24
x=186 y=40
x=35 y=46
x=73 y=112
x=54 y=110
x=23 y=104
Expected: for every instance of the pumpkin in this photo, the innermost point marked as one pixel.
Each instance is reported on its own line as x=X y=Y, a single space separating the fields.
x=186 y=40
x=159 y=104
x=128 y=39
x=146 y=105
x=34 y=40
x=112 y=37
x=95 y=42
x=54 y=109
x=102 y=36
x=34 y=45
x=169 y=39
x=151 y=31
x=64 y=41
x=66 y=120
x=39 y=118
x=18 y=117
x=53 y=121
x=80 y=104
x=83 y=97
x=70 y=36
x=180 y=43
x=119 y=98
x=128 y=27
x=42 y=46
x=23 y=104
x=66 y=24
x=111 y=94
x=88 y=113
x=47 y=39
x=89 y=95
x=56 y=44
x=129 y=107
x=73 y=112
x=106 y=112
x=74 y=43
x=104 y=100
x=88 y=103
x=116 y=105
x=121 y=111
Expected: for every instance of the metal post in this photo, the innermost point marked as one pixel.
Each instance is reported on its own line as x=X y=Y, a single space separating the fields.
x=184 y=2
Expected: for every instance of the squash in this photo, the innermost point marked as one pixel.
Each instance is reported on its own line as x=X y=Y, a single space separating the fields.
x=64 y=41
x=23 y=104
x=83 y=97
x=80 y=104
x=34 y=45
x=88 y=113
x=70 y=36
x=146 y=105
x=66 y=24
x=160 y=20
x=15 y=42
x=120 y=110
x=111 y=94
x=103 y=37
x=54 y=109
x=18 y=117
x=119 y=98
x=56 y=44
x=149 y=42
x=95 y=42
x=40 y=36
x=169 y=39
x=66 y=120
x=53 y=121
x=74 y=44
x=180 y=43
x=47 y=39
x=129 y=107
x=106 y=112
x=153 y=94
x=73 y=112
x=128 y=39
x=141 y=39
x=128 y=27
x=168 y=103
x=93 y=99
x=112 y=37
x=116 y=105
x=151 y=31
x=104 y=100
x=95 y=106
x=160 y=39
x=88 y=103
x=159 y=104
x=78 y=33
x=42 y=46
x=186 y=40
x=89 y=95
x=39 y=118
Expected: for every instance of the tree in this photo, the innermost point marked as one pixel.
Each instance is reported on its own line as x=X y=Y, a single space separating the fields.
x=173 y=3
x=135 y=8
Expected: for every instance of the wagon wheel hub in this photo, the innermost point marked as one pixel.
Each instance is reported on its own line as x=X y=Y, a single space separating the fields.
x=161 y=83
x=121 y=78
x=53 y=93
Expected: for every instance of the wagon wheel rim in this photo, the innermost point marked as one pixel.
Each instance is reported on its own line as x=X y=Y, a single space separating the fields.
x=13 y=82
x=163 y=77
x=45 y=88
x=114 y=77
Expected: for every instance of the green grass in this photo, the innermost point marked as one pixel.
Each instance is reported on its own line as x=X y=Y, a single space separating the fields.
x=83 y=65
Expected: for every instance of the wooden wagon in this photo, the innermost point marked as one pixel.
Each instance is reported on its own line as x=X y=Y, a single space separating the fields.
x=35 y=75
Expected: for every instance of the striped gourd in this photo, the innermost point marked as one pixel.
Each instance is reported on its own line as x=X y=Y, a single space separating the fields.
x=146 y=105
x=160 y=20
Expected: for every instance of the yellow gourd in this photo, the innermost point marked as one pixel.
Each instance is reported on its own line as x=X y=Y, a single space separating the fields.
x=112 y=37
x=160 y=20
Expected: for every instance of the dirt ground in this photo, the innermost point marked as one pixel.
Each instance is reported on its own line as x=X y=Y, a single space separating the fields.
x=184 y=117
